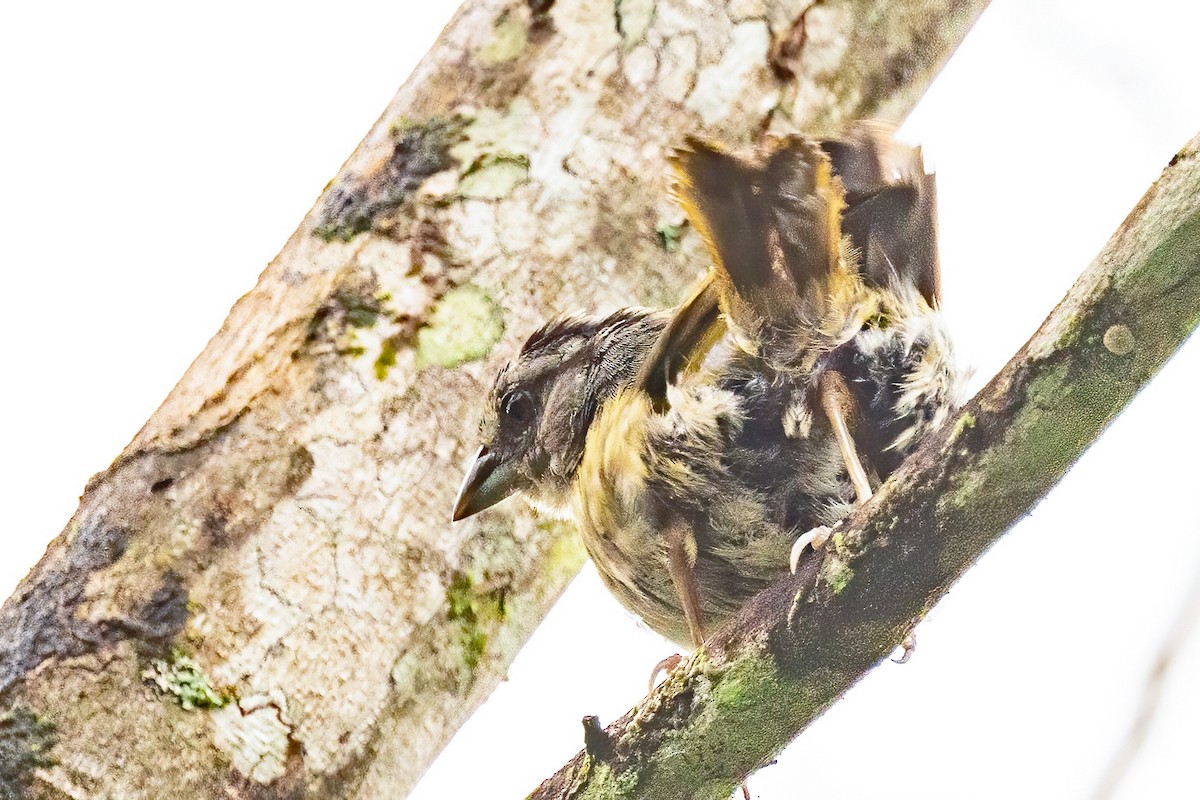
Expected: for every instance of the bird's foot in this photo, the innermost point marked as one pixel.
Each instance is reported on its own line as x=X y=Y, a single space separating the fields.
x=661 y=668
x=816 y=537
x=908 y=644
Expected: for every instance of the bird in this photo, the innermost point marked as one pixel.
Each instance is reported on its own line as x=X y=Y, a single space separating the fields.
x=694 y=447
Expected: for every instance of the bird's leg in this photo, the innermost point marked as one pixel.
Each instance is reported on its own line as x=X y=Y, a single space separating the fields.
x=681 y=548
x=840 y=409
x=681 y=559
x=839 y=406
x=681 y=562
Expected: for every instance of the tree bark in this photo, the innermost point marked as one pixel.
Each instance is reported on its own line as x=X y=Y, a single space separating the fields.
x=798 y=646
x=262 y=596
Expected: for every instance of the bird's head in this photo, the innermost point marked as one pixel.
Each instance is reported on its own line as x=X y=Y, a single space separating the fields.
x=536 y=419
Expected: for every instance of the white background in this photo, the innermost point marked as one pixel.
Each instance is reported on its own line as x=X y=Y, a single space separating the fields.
x=154 y=157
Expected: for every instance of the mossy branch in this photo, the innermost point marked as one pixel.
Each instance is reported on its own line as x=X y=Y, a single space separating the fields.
x=798 y=646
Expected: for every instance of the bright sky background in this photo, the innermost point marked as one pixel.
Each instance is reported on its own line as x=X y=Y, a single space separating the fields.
x=155 y=157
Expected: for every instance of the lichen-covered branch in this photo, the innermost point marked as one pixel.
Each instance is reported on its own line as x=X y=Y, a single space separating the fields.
x=799 y=645
x=263 y=596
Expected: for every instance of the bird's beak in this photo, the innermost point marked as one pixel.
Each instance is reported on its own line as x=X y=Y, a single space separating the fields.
x=489 y=481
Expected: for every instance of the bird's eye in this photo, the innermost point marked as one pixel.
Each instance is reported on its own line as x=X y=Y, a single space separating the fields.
x=518 y=406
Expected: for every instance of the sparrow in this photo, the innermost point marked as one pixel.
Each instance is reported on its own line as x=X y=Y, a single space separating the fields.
x=693 y=446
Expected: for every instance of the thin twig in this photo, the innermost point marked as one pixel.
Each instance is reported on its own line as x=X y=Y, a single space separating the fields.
x=1172 y=646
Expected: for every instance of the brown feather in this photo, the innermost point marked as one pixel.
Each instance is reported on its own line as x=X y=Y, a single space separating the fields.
x=771 y=221
x=891 y=209
x=692 y=331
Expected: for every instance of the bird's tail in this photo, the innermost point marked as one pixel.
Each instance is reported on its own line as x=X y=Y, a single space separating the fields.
x=799 y=228
x=772 y=223
x=891 y=209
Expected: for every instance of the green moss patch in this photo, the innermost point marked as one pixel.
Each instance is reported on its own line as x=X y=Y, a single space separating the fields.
x=386 y=359
x=668 y=236
x=183 y=678
x=362 y=310
x=836 y=574
x=477 y=613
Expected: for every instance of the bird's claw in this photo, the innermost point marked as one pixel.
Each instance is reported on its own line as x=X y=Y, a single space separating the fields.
x=908 y=644
x=816 y=537
x=666 y=665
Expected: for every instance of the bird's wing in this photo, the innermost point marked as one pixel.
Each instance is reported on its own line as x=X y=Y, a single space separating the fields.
x=692 y=331
x=891 y=208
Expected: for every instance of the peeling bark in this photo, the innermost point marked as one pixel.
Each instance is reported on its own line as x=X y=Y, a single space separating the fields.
x=798 y=646
x=262 y=596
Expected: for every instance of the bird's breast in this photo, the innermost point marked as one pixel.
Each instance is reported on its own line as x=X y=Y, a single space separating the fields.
x=610 y=501
x=616 y=512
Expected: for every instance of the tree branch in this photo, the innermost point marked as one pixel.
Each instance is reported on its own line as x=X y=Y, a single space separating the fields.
x=799 y=645
x=264 y=585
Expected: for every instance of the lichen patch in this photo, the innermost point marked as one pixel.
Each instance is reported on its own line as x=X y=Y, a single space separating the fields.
x=836 y=574
x=477 y=611
x=254 y=736
x=494 y=176
x=464 y=327
x=723 y=87
x=640 y=65
x=508 y=40
x=740 y=10
x=512 y=131
x=669 y=234
x=633 y=20
x=1119 y=340
x=677 y=73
